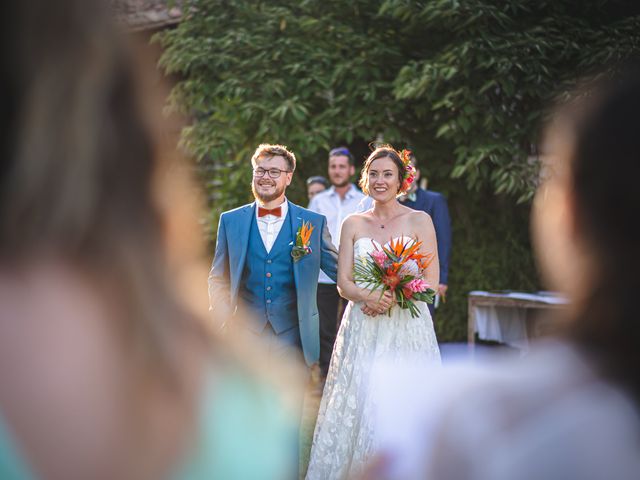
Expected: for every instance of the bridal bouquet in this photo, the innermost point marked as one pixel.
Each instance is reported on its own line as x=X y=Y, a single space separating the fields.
x=397 y=267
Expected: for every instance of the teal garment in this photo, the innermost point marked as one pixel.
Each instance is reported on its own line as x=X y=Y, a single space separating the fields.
x=12 y=465
x=244 y=433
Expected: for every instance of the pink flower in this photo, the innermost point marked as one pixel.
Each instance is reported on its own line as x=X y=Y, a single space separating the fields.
x=379 y=257
x=417 y=285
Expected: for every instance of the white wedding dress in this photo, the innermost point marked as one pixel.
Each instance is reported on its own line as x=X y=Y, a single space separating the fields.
x=343 y=440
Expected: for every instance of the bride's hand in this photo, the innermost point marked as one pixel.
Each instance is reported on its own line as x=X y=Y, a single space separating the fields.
x=379 y=304
x=368 y=311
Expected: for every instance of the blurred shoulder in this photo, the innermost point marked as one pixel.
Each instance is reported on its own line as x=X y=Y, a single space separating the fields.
x=551 y=407
x=555 y=384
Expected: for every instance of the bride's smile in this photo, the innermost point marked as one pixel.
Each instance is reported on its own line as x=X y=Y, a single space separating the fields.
x=384 y=179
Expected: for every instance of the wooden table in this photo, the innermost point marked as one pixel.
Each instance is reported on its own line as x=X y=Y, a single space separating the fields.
x=509 y=300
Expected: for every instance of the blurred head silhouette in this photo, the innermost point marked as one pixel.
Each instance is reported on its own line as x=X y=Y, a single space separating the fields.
x=77 y=158
x=101 y=349
x=584 y=221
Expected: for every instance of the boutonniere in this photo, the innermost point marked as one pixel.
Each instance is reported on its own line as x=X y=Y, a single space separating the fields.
x=302 y=248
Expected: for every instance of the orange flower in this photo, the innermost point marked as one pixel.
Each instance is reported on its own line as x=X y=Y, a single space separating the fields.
x=405 y=252
x=424 y=261
x=305 y=232
x=396 y=247
x=412 y=251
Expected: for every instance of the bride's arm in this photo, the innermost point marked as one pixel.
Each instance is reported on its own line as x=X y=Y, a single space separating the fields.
x=427 y=234
x=346 y=286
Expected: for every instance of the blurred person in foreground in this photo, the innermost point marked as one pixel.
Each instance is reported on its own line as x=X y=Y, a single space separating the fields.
x=315 y=185
x=106 y=372
x=435 y=205
x=572 y=409
x=336 y=203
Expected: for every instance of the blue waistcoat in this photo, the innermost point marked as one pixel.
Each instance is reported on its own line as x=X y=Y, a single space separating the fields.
x=268 y=286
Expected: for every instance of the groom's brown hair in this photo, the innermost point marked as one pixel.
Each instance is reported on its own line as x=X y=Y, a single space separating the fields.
x=269 y=150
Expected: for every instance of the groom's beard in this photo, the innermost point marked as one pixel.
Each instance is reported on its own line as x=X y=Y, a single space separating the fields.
x=263 y=196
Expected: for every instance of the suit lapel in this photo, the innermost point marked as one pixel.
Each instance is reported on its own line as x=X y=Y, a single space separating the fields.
x=239 y=241
x=296 y=221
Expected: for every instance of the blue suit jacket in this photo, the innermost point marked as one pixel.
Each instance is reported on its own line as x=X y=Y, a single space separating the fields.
x=231 y=256
x=435 y=204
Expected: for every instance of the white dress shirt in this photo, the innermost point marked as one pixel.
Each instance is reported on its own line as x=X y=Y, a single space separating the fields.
x=336 y=209
x=270 y=225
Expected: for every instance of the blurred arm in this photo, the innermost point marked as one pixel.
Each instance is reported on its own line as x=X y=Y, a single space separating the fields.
x=219 y=283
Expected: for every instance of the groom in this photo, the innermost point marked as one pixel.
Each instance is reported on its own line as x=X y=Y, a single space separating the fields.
x=254 y=266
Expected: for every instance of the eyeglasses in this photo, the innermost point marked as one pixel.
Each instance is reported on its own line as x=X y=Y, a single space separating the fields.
x=273 y=172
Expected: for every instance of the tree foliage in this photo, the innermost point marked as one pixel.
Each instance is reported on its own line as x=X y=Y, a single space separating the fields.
x=476 y=74
x=484 y=71
x=465 y=83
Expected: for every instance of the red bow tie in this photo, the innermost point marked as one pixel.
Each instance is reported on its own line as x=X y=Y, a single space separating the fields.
x=276 y=212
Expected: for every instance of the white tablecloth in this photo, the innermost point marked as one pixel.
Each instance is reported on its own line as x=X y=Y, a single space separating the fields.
x=508 y=324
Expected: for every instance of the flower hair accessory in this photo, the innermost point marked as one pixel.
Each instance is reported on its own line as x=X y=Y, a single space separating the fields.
x=409 y=174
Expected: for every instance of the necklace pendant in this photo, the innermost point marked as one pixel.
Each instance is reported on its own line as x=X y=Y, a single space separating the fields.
x=381 y=226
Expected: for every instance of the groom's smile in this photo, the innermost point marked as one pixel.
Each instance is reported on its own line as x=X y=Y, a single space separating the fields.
x=270 y=179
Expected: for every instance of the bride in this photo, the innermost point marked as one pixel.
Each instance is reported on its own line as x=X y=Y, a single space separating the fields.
x=344 y=436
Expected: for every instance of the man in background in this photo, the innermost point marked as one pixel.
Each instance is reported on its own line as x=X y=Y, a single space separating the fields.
x=435 y=204
x=336 y=203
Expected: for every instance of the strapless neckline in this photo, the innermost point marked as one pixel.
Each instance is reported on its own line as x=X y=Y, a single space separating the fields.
x=373 y=240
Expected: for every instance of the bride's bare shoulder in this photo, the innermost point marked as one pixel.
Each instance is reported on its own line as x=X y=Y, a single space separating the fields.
x=351 y=226
x=356 y=219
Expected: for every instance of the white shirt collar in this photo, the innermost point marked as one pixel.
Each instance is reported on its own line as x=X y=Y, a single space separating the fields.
x=350 y=193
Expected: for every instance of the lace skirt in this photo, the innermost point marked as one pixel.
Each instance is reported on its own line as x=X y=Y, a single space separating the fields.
x=343 y=440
